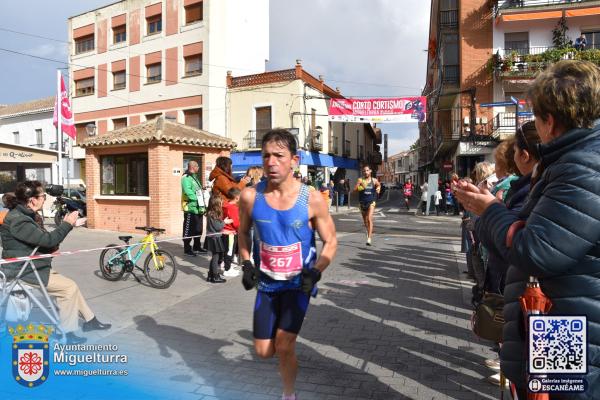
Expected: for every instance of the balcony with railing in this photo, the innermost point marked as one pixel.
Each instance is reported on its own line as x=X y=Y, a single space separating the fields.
x=315 y=140
x=333 y=145
x=505 y=123
x=501 y=6
x=449 y=18
x=450 y=74
x=54 y=146
x=526 y=62
x=346 y=151
x=253 y=140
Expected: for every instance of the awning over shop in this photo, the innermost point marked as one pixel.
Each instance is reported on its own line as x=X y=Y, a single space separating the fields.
x=326 y=160
x=243 y=160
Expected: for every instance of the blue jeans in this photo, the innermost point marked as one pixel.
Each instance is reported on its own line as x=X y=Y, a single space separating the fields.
x=341 y=198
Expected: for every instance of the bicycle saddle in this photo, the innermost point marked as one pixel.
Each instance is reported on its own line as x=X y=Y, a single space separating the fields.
x=150 y=229
x=125 y=238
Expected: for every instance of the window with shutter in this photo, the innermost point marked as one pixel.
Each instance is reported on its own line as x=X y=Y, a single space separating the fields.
x=193 y=118
x=154 y=73
x=263 y=123
x=193 y=13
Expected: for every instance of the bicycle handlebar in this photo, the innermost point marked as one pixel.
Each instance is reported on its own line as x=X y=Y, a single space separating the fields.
x=150 y=229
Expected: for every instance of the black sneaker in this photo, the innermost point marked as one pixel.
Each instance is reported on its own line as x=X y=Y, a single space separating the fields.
x=201 y=251
x=189 y=253
x=94 y=325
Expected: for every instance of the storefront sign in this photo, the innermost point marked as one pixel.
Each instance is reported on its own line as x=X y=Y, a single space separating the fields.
x=400 y=109
x=468 y=148
x=22 y=154
x=17 y=155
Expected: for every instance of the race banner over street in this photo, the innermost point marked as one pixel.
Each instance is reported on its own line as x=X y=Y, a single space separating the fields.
x=399 y=109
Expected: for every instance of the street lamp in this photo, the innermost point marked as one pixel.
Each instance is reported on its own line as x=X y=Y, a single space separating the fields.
x=91 y=129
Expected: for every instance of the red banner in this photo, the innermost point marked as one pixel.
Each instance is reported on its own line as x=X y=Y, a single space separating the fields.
x=67 y=121
x=399 y=109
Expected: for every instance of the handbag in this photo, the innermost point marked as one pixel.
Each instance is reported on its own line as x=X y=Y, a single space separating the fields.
x=488 y=319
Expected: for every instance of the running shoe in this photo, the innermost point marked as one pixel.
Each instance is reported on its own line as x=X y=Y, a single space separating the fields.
x=495 y=380
x=368 y=241
x=493 y=364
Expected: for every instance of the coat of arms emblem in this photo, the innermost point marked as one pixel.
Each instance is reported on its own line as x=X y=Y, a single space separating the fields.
x=30 y=354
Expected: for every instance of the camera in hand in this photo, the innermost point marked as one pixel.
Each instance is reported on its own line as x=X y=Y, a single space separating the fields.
x=72 y=206
x=63 y=205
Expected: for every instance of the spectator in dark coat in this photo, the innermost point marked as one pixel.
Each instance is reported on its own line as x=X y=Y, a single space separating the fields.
x=341 y=190
x=556 y=236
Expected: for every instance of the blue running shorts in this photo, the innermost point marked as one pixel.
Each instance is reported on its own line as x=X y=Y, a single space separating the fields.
x=279 y=310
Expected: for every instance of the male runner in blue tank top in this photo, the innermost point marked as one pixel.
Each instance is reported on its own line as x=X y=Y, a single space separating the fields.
x=368 y=190
x=286 y=215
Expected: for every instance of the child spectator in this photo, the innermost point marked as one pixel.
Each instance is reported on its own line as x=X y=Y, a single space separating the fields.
x=231 y=211
x=437 y=200
x=213 y=242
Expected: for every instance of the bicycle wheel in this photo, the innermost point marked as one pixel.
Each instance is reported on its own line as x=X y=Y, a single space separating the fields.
x=162 y=273
x=112 y=264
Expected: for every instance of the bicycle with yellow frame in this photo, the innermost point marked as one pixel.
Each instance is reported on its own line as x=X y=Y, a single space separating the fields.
x=159 y=268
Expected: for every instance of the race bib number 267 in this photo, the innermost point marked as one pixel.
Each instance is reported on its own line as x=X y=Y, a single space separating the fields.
x=281 y=262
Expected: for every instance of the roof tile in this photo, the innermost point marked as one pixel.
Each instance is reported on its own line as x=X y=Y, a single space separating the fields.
x=44 y=104
x=160 y=130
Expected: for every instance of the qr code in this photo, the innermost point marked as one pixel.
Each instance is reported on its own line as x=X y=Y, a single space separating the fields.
x=557 y=344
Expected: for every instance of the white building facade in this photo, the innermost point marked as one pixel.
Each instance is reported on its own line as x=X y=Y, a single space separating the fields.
x=135 y=60
x=296 y=100
x=28 y=144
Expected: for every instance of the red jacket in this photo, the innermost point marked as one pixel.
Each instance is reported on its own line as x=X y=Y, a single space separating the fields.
x=232 y=211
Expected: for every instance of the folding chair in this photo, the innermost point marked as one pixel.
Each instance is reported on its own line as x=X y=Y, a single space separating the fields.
x=7 y=288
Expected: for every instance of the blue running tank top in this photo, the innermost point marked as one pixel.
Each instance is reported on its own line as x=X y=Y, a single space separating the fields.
x=287 y=242
x=368 y=194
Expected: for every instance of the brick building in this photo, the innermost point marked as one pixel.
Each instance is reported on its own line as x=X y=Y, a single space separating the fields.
x=483 y=51
x=457 y=81
x=134 y=173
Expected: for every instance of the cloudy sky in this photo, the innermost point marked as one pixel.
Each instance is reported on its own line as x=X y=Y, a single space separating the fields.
x=365 y=47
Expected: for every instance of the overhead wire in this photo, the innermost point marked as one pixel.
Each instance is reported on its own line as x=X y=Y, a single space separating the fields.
x=129 y=52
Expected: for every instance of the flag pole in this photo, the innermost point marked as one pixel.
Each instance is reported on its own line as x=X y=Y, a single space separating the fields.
x=69 y=151
x=59 y=126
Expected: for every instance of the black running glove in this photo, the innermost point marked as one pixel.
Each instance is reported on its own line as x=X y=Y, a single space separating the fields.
x=310 y=277
x=250 y=277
